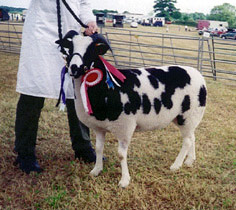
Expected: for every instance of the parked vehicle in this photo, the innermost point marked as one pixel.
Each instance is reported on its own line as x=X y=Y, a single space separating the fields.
x=4 y=15
x=200 y=32
x=229 y=35
x=213 y=31
x=134 y=24
x=209 y=30
x=217 y=32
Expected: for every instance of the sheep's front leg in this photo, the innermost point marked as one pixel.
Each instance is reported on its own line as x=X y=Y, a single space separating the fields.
x=122 y=152
x=123 y=133
x=100 y=139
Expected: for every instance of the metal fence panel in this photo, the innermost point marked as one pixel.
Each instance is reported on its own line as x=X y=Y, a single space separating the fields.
x=214 y=57
x=10 y=37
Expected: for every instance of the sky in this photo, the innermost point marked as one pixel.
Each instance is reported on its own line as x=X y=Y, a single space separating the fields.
x=138 y=6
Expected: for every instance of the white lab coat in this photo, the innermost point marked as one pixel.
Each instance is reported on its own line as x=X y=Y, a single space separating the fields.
x=40 y=60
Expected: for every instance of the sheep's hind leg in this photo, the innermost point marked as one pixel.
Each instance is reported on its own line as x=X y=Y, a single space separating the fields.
x=122 y=151
x=100 y=139
x=191 y=156
x=187 y=148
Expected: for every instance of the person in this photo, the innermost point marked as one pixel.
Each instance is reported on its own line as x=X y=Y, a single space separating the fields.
x=186 y=28
x=39 y=78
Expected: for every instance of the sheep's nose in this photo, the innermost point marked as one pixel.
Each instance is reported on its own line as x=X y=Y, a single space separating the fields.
x=74 y=69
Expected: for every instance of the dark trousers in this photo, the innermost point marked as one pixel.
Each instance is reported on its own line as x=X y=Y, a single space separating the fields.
x=26 y=125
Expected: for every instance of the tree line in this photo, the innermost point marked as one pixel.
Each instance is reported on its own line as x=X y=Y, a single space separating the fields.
x=12 y=9
x=166 y=8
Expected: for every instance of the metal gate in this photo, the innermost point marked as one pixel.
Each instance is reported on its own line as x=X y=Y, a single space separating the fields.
x=214 y=57
x=10 y=37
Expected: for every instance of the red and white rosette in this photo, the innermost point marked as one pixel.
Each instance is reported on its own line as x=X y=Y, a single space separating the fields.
x=90 y=79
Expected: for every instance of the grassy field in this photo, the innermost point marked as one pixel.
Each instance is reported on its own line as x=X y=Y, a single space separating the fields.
x=66 y=184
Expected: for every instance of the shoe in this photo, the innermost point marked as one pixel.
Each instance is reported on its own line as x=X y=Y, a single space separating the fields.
x=87 y=155
x=28 y=164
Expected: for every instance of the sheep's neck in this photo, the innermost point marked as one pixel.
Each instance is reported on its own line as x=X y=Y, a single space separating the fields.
x=98 y=64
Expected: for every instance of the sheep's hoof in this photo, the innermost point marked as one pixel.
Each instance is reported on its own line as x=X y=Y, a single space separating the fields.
x=95 y=172
x=189 y=162
x=174 y=167
x=124 y=182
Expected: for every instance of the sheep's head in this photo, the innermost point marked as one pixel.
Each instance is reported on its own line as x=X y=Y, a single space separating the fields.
x=83 y=51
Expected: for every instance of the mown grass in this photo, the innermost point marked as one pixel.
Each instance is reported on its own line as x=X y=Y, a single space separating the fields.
x=66 y=184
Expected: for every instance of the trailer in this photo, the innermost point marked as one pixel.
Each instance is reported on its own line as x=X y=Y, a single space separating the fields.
x=207 y=24
x=118 y=20
x=24 y=12
x=4 y=15
x=100 y=18
x=158 y=21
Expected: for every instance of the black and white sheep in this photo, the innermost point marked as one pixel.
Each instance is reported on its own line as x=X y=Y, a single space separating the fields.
x=149 y=98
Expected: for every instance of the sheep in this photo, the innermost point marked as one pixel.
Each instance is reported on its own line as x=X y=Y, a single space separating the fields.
x=141 y=99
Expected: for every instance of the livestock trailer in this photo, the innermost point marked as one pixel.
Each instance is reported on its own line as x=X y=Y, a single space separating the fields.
x=146 y=21
x=211 y=24
x=24 y=12
x=118 y=20
x=158 y=21
x=4 y=15
x=100 y=18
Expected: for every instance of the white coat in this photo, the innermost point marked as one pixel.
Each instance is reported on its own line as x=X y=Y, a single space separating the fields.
x=40 y=59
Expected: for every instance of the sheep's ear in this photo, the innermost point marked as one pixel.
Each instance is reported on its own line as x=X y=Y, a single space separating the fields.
x=100 y=44
x=66 y=42
x=101 y=48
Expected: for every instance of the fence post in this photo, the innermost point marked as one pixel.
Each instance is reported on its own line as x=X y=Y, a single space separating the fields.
x=162 y=50
x=214 y=59
x=198 y=55
x=16 y=34
x=101 y=29
x=130 y=40
x=9 y=39
x=173 y=50
x=200 y=52
x=209 y=51
x=136 y=36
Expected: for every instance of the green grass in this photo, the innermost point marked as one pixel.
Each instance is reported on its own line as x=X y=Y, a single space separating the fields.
x=66 y=184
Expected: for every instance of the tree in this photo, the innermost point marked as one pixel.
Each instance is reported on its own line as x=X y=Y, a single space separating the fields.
x=224 y=12
x=198 y=16
x=165 y=8
x=177 y=15
x=186 y=17
x=13 y=9
x=193 y=16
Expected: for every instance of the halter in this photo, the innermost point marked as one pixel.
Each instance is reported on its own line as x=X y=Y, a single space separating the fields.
x=63 y=51
x=78 y=55
x=84 y=67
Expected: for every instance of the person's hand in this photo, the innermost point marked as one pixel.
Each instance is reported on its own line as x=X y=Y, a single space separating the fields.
x=92 y=28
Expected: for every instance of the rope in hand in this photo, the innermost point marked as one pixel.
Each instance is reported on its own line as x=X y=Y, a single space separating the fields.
x=59 y=22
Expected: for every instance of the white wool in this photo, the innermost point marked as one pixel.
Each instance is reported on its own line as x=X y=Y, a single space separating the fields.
x=126 y=124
